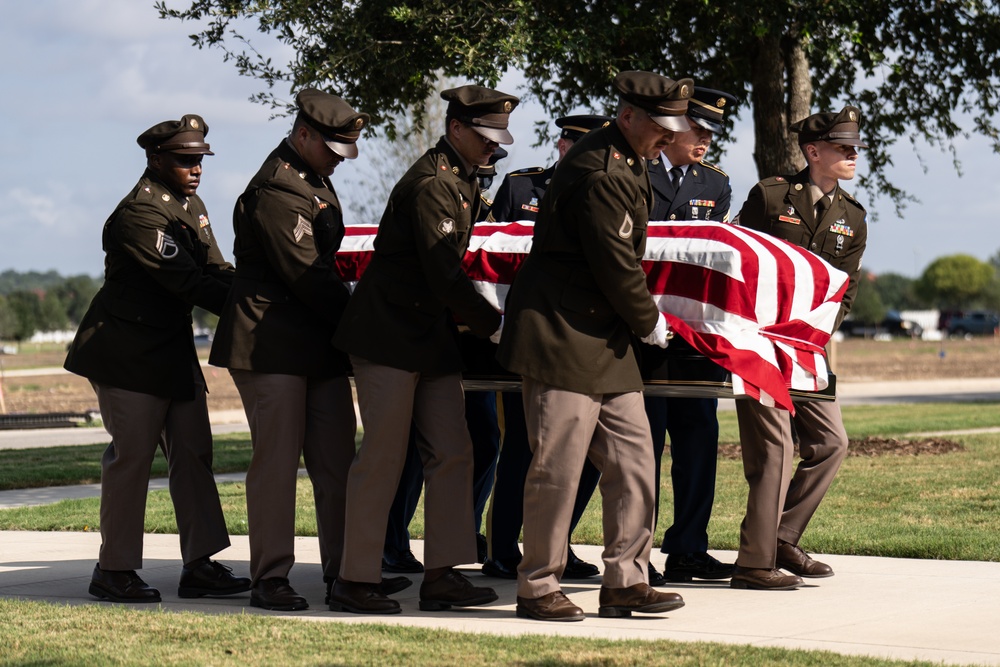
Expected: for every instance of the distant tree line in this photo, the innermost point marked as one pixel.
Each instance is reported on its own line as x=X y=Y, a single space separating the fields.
x=33 y=301
x=954 y=282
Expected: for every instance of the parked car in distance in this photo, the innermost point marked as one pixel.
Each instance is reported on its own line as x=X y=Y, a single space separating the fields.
x=892 y=325
x=972 y=323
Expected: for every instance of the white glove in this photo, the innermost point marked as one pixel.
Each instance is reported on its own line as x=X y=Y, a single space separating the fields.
x=495 y=336
x=660 y=335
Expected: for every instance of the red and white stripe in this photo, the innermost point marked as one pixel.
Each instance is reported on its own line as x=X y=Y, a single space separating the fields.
x=760 y=307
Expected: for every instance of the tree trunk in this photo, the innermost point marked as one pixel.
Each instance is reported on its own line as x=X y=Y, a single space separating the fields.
x=779 y=62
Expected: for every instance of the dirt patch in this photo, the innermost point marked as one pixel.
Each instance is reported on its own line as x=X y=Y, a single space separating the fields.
x=874 y=446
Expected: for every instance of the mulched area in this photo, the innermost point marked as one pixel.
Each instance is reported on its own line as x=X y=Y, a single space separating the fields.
x=875 y=446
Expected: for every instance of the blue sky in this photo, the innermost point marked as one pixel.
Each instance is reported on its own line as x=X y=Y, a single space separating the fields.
x=83 y=78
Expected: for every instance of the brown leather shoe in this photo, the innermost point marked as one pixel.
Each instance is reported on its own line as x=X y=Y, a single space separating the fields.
x=121 y=586
x=792 y=558
x=621 y=602
x=763 y=579
x=387 y=586
x=360 y=597
x=453 y=590
x=551 y=607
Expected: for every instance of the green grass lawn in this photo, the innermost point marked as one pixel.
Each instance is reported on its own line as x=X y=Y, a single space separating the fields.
x=44 y=634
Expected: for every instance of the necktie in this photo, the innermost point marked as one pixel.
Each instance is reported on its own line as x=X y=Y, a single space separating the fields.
x=675 y=177
x=822 y=206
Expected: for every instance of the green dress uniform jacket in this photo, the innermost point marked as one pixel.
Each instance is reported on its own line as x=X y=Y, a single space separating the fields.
x=287 y=297
x=581 y=292
x=783 y=207
x=403 y=311
x=160 y=260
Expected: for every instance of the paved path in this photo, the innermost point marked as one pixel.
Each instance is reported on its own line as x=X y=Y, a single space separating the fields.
x=893 y=608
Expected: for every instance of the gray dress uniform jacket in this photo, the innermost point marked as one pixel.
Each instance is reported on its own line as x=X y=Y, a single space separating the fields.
x=581 y=292
x=287 y=298
x=160 y=260
x=403 y=311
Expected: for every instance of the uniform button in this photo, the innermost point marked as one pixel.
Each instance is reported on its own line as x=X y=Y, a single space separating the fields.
x=813 y=245
x=673 y=216
x=590 y=311
x=416 y=303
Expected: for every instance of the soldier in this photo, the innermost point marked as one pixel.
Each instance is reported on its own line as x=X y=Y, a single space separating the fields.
x=572 y=312
x=274 y=337
x=685 y=187
x=810 y=210
x=400 y=330
x=136 y=346
x=518 y=199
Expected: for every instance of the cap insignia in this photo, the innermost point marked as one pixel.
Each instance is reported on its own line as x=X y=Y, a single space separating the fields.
x=684 y=90
x=359 y=123
x=507 y=106
x=853 y=116
x=721 y=102
x=194 y=124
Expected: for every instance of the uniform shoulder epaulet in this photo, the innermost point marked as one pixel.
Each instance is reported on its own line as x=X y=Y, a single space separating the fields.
x=773 y=181
x=709 y=165
x=529 y=171
x=849 y=197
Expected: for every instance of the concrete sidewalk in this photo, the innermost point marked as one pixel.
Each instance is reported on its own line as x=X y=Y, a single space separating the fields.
x=893 y=608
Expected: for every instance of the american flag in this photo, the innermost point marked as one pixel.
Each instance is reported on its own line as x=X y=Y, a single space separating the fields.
x=758 y=306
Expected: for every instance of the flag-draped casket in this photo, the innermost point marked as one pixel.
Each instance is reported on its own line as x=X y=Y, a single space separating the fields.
x=757 y=306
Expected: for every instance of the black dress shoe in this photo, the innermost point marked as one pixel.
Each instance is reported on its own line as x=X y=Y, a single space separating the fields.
x=277 y=595
x=655 y=578
x=387 y=586
x=578 y=569
x=552 y=607
x=685 y=567
x=360 y=597
x=400 y=561
x=763 y=579
x=501 y=568
x=453 y=590
x=482 y=549
x=621 y=602
x=792 y=558
x=210 y=579
x=121 y=586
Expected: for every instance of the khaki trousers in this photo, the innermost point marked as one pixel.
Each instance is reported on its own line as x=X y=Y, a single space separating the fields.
x=289 y=416
x=564 y=429
x=138 y=424
x=780 y=504
x=388 y=399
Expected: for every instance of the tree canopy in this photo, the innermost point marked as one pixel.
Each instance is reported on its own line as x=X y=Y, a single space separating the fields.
x=955 y=280
x=917 y=68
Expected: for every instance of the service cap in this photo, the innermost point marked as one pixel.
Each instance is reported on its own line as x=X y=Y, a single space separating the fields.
x=574 y=127
x=707 y=107
x=185 y=136
x=665 y=100
x=836 y=127
x=485 y=110
x=333 y=118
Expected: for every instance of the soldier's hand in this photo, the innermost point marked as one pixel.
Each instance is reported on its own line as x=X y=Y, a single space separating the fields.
x=660 y=335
